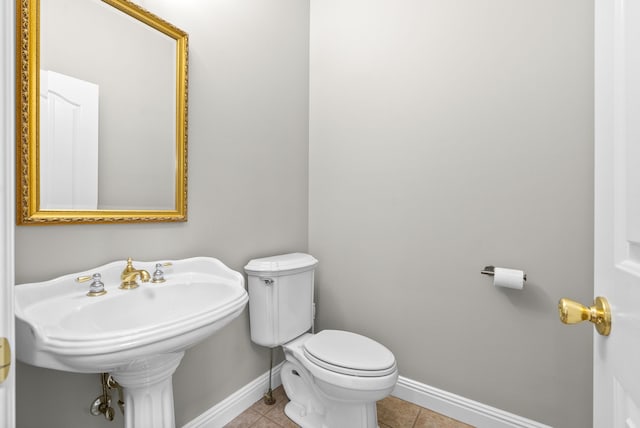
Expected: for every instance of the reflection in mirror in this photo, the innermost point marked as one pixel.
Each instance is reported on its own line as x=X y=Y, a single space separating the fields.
x=111 y=103
x=133 y=65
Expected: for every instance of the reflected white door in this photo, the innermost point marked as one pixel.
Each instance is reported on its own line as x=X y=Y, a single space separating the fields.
x=617 y=211
x=68 y=142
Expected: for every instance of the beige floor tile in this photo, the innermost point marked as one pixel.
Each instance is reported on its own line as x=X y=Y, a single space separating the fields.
x=244 y=420
x=392 y=413
x=429 y=419
x=278 y=416
x=397 y=413
x=260 y=407
x=279 y=394
x=265 y=422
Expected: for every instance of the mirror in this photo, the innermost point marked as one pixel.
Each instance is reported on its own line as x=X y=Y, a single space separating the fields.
x=101 y=114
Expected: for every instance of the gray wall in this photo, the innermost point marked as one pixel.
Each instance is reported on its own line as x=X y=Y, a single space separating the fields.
x=446 y=136
x=248 y=196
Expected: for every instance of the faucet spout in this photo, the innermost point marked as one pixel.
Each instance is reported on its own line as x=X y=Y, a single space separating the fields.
x=130 y=274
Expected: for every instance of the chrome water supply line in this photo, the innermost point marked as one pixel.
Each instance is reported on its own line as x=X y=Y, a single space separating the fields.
x=102 y=404
x=268 y=396
x=111 y=383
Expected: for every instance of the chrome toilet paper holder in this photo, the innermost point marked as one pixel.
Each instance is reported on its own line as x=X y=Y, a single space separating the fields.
x=490 y=270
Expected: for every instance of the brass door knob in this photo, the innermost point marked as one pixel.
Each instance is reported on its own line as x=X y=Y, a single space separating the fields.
x=572 y=312
x=5 y=358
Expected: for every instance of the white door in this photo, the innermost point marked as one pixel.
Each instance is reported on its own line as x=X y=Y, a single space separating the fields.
x=617 y=211
x=7 y=203
x=68 y=142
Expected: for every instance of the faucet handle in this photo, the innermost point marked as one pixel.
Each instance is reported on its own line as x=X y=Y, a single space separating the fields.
x=158 y=274
x=97 y=286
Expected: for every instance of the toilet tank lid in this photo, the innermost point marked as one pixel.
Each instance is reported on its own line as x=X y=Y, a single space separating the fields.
x=284 y=263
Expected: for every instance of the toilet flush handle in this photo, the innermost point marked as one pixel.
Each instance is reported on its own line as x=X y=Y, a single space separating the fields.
x=268 y=281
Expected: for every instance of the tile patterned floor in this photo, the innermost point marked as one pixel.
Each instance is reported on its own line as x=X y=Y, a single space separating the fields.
x=392 y=413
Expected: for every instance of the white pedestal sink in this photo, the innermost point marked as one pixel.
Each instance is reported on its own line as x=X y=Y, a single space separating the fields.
x=138 y=336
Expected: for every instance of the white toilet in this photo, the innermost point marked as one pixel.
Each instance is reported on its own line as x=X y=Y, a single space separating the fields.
x=333 y=378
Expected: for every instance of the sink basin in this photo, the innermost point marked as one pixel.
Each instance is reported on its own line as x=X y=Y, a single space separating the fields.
x=127 y=333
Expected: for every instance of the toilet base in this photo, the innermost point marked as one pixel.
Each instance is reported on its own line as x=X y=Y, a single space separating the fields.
x=295 y=412
x=299 y=415
x=310 y=408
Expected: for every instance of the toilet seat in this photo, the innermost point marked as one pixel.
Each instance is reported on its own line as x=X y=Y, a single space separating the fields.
x=349 y=354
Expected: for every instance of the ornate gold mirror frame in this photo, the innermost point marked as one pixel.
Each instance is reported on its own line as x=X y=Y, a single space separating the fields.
x=28 y=210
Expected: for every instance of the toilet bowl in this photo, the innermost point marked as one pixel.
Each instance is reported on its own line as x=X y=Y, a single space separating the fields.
x=333 y=378
x=338 y=386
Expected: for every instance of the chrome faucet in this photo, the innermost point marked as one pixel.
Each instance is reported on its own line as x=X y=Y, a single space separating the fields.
x=97 y=286
x=129 y=275
x=158 y=274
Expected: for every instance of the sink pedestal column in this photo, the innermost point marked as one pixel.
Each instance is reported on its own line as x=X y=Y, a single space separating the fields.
x=148 y=391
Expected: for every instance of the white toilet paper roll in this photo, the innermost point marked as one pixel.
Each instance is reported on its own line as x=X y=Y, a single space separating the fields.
x=510 y=278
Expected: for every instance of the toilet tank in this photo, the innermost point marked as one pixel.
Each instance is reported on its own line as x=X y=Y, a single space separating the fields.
x=280 y=297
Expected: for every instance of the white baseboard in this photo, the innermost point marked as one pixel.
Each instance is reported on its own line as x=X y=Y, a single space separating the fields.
x=459 y=408
x=232 y=406
x=451 y=405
